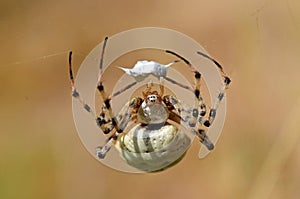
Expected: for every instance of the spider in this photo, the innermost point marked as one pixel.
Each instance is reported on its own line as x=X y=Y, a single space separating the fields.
x=150 y=131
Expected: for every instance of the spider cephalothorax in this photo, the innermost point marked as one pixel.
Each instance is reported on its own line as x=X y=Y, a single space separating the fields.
x=152 y=110
x=151 y=131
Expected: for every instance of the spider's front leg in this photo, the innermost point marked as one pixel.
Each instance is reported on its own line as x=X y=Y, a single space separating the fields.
x=110 y=122
x=213 y=111
x=199 y=102
x=226 y=82
x=199 y=111
x=106 y=119
x=106 y=124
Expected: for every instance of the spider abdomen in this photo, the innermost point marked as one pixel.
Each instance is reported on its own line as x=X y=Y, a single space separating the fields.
x=153 y=149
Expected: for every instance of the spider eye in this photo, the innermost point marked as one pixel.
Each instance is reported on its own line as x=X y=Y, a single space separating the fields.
x=152 y=98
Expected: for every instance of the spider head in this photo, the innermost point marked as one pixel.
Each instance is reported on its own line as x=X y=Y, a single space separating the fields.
x=152 y=109
x=152 y=98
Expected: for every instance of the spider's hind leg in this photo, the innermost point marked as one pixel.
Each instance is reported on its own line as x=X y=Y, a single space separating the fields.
x=123 y=119
x=187 y=115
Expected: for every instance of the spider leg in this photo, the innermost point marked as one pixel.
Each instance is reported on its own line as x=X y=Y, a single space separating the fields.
x=173 y=104
x=212 y=112
x=183 y=59
x=227 y=80
x=213 y=109
x=161 y=86
x=123 y=89
x=199 y=100
x=101 y=121
x=130 y=114
x=75 y=93
x=204 y=139
x=178 y=83
x=107 y=123
x=106 y=99
x=101 y=151
x=194 y=69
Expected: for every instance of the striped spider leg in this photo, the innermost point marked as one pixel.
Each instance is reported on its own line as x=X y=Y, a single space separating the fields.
x=187 y=115
x=106 y=120
x=199 y=115
x=227 y=80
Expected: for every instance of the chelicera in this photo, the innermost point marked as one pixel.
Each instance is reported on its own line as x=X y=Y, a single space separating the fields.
x=150 y=132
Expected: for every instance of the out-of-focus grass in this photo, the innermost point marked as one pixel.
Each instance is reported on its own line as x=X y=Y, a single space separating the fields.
x=28 y=175
x=287 y=142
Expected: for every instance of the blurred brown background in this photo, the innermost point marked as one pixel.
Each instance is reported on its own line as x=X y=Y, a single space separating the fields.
x=257 y=155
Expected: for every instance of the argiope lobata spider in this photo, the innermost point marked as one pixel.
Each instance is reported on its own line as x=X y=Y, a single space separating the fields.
x=147 y=132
